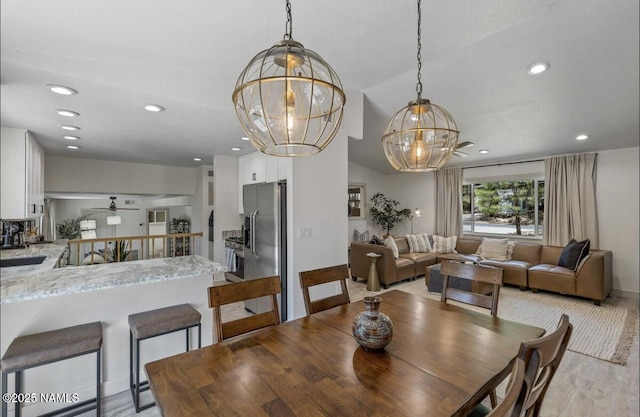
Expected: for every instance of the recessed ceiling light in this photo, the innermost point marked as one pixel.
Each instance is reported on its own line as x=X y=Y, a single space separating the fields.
x=72 y=137
x=538 y=68
x=582 y=137
x=244 y=138
x=153 y=108
x=483 y=151
x=236 y=149
x=69 y=127
x=61 y=89
x=67 y=113
x=74 y=147
x=197 y=159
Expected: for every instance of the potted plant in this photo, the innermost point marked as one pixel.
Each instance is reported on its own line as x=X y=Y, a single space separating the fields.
x=384 y=212
x=69 y=229
x=120 y=250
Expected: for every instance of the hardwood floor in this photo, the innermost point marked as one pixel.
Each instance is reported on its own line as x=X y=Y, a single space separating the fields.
x=583 y=386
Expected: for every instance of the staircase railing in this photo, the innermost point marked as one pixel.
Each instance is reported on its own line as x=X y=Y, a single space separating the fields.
x=128 y=248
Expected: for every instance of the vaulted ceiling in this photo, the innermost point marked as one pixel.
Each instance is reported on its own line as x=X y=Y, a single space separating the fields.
x=186 y=57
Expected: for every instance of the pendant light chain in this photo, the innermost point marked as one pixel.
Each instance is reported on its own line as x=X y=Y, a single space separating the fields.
x=289 y=25
x=419 y=56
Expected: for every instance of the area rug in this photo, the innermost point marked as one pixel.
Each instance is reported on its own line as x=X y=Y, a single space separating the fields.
x=604 y=332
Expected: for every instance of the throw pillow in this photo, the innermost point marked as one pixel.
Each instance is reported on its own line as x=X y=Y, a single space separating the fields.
x=511 y=244
x=376 y=240
x=494 y=249
x=419 y=243
x=414 y=246
x=360 y=237
x=390 y=242
x=573 y=253
x=443 y=244
x=423 y=239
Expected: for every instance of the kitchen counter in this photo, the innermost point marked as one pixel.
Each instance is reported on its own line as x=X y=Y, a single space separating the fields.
x=37 y=298
x=31 y=282
x=53 y=252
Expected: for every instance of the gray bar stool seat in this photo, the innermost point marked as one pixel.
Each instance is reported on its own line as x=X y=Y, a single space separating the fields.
x=43 y=348
x=154 y=323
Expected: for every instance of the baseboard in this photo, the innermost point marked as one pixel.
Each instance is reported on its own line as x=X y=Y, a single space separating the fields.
x=626 y=294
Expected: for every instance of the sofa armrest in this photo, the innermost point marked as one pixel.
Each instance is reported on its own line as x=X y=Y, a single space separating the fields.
x=360 y=262
x=594 y=277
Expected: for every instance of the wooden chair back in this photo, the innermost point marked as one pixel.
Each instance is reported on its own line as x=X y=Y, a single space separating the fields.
x=474 y=273
x=220 y=295
x=322 y=276
x=542 y=357
x=514 y=394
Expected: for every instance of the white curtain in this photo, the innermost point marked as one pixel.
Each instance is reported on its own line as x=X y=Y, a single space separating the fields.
x=49 y=220
x=570 y=200
x=449 y=202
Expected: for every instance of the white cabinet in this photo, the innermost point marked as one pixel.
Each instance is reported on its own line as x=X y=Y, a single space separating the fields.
x=258 y=167
x=22 y=174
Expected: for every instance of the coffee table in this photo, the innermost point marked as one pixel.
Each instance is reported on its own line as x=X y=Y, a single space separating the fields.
x=433 y=280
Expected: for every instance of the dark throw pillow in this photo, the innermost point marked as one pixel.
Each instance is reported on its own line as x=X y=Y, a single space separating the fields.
x=573 y=253
x=376 y=240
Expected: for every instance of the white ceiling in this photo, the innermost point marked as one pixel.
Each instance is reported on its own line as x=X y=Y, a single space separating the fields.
x=187 y=55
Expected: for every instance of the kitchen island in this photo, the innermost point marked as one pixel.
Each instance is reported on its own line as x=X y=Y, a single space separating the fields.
x=37 y=298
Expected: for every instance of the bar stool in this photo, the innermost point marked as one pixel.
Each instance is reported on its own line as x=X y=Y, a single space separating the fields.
x=154 y=323
x=43 y=348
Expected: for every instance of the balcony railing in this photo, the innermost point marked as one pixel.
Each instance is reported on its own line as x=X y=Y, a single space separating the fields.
x=129 y=248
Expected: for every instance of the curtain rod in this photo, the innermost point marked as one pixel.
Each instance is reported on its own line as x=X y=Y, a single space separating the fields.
x=524 y=162
x=503 y=163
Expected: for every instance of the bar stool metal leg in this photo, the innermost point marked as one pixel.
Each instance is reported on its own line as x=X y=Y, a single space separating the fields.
x=4 y=391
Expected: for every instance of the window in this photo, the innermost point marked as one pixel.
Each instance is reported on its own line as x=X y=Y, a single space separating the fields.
x=504 y=208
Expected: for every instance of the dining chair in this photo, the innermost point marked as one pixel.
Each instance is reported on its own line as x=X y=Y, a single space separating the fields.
x=513 y=396
x=322 y=276
x=472 y=272
x=479 y=274
x=542 y=357
x=220 y=295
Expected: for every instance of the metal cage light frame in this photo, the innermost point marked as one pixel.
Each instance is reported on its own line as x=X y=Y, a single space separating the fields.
x=422 y=136
x=288 y=100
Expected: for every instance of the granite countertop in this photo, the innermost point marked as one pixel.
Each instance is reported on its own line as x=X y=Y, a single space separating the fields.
x=53 y=252
x=22 y=283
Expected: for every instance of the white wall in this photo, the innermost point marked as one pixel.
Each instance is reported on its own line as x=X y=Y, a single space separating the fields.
x=77 y=175
x=226 y=190
x=618 y=216
x=411 y=190
x=316 y=197
x=414 y=191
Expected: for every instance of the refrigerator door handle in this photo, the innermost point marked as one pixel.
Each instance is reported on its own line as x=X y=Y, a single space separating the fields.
x=253 y=233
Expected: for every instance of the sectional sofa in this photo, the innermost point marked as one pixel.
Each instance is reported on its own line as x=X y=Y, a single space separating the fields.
x=531 y=266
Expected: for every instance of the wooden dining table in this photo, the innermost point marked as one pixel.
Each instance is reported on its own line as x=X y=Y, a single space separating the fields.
x=443 y=360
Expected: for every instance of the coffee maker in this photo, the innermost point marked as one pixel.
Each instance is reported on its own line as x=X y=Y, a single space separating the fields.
x=12 y=236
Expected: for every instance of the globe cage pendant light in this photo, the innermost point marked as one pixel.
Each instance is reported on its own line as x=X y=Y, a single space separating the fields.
x=422 y=136
x=288 y=100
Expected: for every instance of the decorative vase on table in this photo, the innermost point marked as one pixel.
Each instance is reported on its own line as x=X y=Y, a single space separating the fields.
x=372 y=329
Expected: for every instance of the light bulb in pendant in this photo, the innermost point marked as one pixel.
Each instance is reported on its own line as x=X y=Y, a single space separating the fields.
x=291 y=111
x=418 y=145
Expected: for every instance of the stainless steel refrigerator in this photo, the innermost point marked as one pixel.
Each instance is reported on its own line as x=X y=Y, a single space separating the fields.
x=265 y=239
